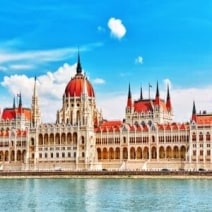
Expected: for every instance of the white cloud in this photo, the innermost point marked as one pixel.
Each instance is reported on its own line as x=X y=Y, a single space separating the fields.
x=139 y=60
x=51 y=87
x=98 y=81
x=3 y=68
x=113 y=105
x=39 y=55
x=21 y=67
x=117 y=29
x=17 y=60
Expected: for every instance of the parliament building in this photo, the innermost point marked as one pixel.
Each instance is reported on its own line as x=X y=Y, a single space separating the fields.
x=82 y=139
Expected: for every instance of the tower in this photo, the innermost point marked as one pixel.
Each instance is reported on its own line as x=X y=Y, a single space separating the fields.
x=79 y=115
x=36 y=115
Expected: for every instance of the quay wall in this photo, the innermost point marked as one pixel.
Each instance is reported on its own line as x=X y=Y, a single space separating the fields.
x=106 y=174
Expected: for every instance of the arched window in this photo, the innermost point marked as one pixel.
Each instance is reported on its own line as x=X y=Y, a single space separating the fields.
x=194 y=138
x=200 y=136
x=208 y=137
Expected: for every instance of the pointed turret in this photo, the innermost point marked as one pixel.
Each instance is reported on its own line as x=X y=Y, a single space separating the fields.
x=168 y=100
x=194 y=113
x=157 y=96
x=141 y=94
x=36 y=116
x=129 y=99
x=20 y=101
x=35 y=87
x=79 y=67
x=14 y=103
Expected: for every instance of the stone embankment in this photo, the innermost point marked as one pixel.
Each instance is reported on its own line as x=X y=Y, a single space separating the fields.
x=106 y=174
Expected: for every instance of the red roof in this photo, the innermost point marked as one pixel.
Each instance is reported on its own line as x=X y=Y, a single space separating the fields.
x=146 y=105
x=111 y=124
x=76 y=85
x=142 y=106
x=12 y=113
x=204 y=119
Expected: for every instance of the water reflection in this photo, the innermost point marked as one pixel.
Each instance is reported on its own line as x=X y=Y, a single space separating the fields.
x=105 y=195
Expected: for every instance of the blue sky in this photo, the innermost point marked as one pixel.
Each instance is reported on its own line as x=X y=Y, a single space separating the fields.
x=120 y=42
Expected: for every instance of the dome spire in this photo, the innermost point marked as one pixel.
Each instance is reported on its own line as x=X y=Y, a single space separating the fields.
x=79 y=68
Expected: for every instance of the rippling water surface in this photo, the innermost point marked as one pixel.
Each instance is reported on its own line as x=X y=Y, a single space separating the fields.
x=105 y=195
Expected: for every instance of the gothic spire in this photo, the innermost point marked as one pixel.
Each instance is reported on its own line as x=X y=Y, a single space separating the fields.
x=13 y=102
x=79 y=68
x=129 y=92
x=141 y=94
x=194 y=109
x=35 y=87
x=36 y=116
x=20 y=101
x=129 y=99
x=168 y=100
x=157 y=96
x=194 y=113
x=157 y=91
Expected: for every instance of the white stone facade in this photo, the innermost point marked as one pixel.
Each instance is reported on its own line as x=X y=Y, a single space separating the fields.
x=80 y=139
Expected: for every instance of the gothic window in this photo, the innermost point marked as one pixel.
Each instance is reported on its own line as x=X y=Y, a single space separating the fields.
x=194 y=137
x=200 y=136
x=208 y=137
x=83 y=140
x=32 y=142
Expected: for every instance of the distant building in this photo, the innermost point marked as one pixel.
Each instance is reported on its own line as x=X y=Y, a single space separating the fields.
x=80 y=139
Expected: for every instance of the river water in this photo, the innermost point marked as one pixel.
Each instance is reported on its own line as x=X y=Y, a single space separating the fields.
x=105 y=195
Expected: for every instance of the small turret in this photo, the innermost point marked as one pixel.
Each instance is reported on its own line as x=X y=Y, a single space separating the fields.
x=20 y=101
x=36 y=115
x=168 y=100
x=157 y=96
x=194 y=113
x=141 y=94
x=14 y=103
x=129 y=99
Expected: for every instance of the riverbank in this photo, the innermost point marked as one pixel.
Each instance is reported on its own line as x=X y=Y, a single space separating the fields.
x=108 y=174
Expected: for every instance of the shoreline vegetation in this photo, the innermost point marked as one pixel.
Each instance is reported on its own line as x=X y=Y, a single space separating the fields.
x=107 y=174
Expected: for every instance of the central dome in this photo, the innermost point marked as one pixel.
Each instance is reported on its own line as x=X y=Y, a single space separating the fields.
x=75 y=87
